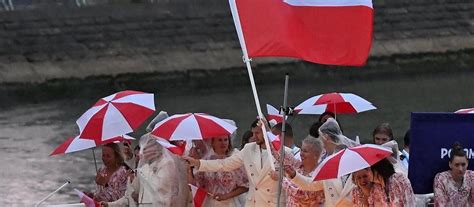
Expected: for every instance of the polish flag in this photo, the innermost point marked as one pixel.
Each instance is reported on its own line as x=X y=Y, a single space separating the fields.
x=273 y=114
x=199 y=195
x=336 y=32
x=275 y=140
x=172 y=148
x=88 y=201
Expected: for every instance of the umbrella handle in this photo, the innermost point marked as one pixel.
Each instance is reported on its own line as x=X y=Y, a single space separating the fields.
x=95 y=161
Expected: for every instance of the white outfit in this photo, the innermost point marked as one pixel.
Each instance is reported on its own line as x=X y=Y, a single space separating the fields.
x=262 y=188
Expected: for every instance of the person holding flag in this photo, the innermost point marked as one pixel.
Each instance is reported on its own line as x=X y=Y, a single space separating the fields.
x=254 y=158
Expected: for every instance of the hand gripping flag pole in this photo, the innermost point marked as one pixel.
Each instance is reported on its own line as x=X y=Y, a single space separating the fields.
x=246 y=59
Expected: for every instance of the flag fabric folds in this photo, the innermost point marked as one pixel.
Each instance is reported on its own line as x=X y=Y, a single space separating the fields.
x=178 y=150
x=199 y=195
x=88 y=201
x=335 y=32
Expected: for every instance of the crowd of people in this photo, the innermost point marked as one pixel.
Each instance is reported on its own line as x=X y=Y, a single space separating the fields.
x=150 y=175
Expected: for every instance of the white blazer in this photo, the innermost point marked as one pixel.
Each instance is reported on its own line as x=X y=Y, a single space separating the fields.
x=335 y=193
x=262 y=188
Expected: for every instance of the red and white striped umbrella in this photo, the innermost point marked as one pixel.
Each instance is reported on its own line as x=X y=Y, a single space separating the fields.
x=74 y=144
x=465 y=111
x=192 y=126
x=338 y=103
x=350 y=160
x=115 y=115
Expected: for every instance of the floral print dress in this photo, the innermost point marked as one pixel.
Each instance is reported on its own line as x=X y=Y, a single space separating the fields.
x=221 y=182
x=115 y=188
x=446 y=193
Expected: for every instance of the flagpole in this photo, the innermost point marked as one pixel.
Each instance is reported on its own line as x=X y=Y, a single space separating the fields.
x=238 y=27
x=282 y=137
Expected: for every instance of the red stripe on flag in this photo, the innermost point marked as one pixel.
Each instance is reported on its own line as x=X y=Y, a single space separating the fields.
x=322 y=34
x=134 y=113
x=93 y=128
x=199 y=195
x=167 y=129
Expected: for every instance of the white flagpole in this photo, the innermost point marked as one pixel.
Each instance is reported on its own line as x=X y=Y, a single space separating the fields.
x=240 y=34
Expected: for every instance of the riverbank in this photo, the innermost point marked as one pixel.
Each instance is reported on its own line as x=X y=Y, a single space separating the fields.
x=188 y=82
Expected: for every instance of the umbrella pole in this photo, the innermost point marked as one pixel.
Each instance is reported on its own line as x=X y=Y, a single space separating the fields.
x=95 y=161
x=240 y=34
x=282 y=138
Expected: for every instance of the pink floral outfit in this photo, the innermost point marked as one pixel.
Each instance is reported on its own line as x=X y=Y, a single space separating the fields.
x=115 y=188
x=377 y=197
x=221 y=182
x=446 y=193
x=400 y=192
x=302 y=198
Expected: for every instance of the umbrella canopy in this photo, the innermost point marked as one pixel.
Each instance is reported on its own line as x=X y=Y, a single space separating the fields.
x=192 y=126
x=465 y=111
x=115 y=115
x=74 y=144
x=350 y=160
x=337 y=103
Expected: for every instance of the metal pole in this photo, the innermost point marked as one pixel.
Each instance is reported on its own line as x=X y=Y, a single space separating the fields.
x=282 y=138
x=52 y=193
x=95 y=161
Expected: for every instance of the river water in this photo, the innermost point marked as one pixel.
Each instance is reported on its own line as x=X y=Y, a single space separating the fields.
x=29 y=132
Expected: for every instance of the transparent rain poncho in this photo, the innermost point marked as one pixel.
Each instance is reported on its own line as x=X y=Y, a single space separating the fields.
x=162 y=175
x=331 y=128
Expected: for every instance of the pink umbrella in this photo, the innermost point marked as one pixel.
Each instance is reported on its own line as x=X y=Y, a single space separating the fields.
x=115 y=115
x=192 y=126
x=74 y=144
x=465 y=111
x=338 y=103
x=350 y=160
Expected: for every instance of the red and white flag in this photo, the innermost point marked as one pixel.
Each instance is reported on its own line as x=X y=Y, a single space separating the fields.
x=199 y=195
x=336 y=32
x=88 y=201
x=172 y=148
x=275 y=140
x=274 y=114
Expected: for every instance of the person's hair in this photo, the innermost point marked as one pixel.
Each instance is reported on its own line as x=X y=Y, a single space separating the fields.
x=229 y=147
x=288 y=129
x=320 y=119
x=406 y=138
x=383 y=128
x=254 y=123
x=314 y=129
x=117 y=152
x=137 y=147
x=245 y=138
x=314 y=143
x=456 y=150
x=384 y=168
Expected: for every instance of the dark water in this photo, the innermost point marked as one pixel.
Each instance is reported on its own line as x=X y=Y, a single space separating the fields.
x=29 y=132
